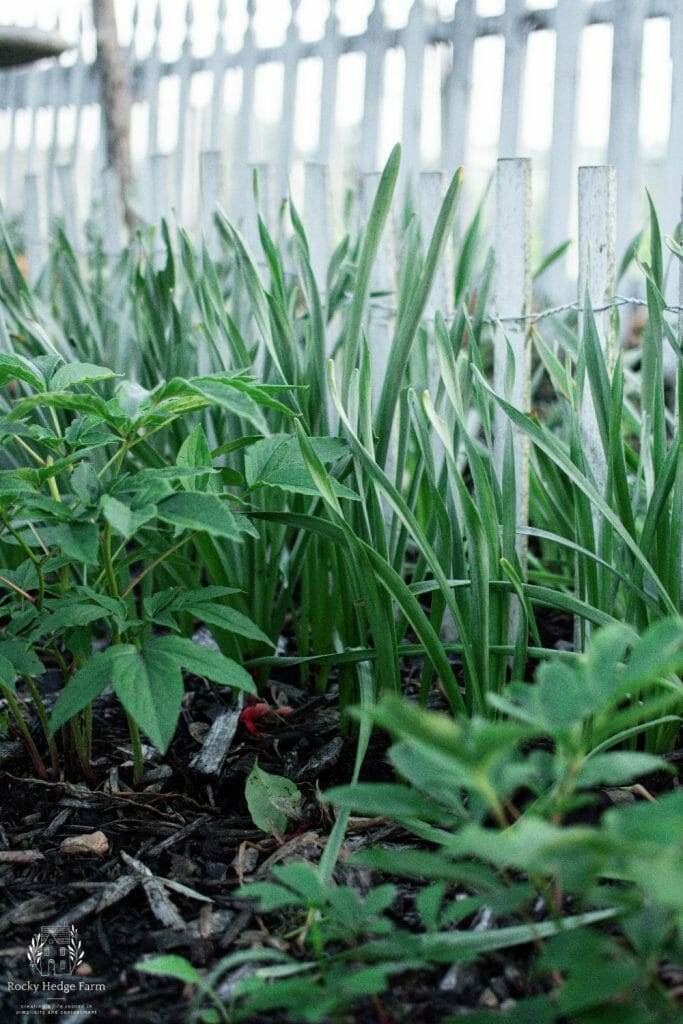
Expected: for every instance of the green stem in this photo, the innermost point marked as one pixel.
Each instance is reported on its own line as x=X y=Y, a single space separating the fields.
x=81 y=748
x=42 y=717
x=32 y=558
x=136 y=745
x=157 y=561
x=108 y=563
x=13 y=705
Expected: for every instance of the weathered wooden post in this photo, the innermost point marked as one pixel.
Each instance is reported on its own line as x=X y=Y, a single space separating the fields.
x=381 y=314
x=512 y=297
x=35 y=227
x=160 y=209
x=597 y=237
x=431 y=191
x=513 y=77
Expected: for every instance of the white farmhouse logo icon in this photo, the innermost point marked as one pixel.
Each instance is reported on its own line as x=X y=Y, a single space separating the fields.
x=55 y=951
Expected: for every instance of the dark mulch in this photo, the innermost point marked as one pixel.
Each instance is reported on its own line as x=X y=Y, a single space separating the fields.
x=195 y=830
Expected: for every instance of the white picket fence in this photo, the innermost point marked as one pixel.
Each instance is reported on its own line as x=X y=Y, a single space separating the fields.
x=51 y=144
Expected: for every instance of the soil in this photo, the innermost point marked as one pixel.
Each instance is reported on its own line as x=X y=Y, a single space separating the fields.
x=195 y=831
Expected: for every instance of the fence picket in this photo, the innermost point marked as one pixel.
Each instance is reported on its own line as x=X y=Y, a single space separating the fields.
x=512 y=298
x=31 y=89
x=597 y=237
x=674 y=155
x=623 y=148
x=52 y=155
x=413 y=48
x=328 y=92
x=26 y=96
x=77 y=85
x=458 y=86
x=289 y=89
x=151 y=101
x=10 y=153
x=184 y=83
x=381 y=318
x=513 y=77
x=35 y=227
x=241 y=175
x=570 y=19
x=218 y=79
x=372 y=88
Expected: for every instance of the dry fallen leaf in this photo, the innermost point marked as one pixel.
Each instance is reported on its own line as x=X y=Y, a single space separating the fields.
x=90 y=843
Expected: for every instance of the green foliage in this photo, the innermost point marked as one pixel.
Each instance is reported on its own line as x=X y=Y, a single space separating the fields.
x=176 y=450
x=83 y=532
x=503 y=814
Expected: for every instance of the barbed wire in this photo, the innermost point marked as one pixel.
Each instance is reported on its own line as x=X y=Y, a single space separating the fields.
x=534 y=317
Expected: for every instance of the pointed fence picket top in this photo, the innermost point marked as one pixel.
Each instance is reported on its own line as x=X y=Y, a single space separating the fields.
x=63 y=98
x=597 y=236
x=512 y=302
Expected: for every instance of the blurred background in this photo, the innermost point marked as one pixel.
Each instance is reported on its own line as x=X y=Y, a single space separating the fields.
x=284 y=82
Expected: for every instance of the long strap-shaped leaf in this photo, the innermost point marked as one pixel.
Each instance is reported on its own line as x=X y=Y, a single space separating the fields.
x=406 y=516
x=548 y=444
x=409 y=322
x=371 y=237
